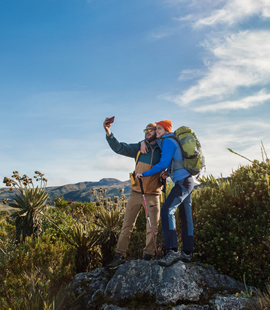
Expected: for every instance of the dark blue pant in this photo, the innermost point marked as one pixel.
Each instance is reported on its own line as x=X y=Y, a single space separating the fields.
x=179 y=197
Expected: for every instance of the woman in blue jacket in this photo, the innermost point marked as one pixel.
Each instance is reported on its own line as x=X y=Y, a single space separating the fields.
x=179 y=197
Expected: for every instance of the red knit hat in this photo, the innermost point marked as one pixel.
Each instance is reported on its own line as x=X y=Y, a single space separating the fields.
x=167 y=124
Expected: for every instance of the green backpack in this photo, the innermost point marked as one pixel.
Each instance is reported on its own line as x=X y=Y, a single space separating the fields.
x=193 y=158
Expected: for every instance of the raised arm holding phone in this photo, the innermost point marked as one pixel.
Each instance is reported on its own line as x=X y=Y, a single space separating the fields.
x=151 y=187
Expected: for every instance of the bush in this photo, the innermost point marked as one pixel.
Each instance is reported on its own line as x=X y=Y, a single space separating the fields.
x=55 y=222
x=232 y=222
x=35 y=260
x=80 y=211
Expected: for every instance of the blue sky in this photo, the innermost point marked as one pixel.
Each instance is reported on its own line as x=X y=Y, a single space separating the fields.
x=66 y=65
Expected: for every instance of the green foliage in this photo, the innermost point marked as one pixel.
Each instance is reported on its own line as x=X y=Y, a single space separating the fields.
x=56 y=222
x=7 y=230
x=84 y=239
x=109 y=220
x=80 y=211
x=35 y=260
x=232 y=222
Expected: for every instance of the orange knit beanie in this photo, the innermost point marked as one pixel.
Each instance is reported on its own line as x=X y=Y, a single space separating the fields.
x=167 y=124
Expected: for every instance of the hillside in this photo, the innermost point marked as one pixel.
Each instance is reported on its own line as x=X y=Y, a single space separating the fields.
x=82 y=191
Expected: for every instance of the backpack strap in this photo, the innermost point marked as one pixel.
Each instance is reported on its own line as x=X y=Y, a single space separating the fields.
x=137 y=157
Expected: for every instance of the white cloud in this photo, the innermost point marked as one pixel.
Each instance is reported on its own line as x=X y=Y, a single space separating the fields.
x=238 y=60
x=159 y=35
x=235 y=11
x=244 y=103
x=190 y=74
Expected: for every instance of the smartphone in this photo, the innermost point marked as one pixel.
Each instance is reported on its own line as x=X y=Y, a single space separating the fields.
x=110 y=120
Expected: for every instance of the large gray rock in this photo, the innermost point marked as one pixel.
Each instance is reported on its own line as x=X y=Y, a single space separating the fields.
x=89 y=286
x=189 y=286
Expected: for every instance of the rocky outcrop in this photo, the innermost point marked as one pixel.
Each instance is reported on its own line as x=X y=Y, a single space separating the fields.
x=181 y=286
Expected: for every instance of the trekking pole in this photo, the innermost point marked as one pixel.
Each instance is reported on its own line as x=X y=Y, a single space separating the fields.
x=148 y=217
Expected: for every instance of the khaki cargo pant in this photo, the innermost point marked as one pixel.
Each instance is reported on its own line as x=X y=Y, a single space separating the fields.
x=134 y=204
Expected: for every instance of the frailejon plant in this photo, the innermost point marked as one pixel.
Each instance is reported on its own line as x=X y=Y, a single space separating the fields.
x=84 y=239
x=30 y=201
x=232 y=223
x=109 y=220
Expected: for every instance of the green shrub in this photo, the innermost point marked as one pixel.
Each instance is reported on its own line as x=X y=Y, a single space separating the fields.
x=232 y=223
x=35 y=260
x=80 y=211
x=7 y=230
x=55 y=222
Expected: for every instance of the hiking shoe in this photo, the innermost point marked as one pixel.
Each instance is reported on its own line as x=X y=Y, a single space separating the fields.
x=170 y=258
x=118 y=259
x=187 y=258
x=147 y=256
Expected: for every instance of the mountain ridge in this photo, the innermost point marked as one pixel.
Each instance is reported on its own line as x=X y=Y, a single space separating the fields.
x=82 y=191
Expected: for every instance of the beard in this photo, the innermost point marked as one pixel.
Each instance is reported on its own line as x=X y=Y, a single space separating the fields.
x=151 y=139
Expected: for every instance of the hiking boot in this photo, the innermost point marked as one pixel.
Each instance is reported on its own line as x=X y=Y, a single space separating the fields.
x=187 y=258
x=147 y=256
x=170 y=258
x=118 y=259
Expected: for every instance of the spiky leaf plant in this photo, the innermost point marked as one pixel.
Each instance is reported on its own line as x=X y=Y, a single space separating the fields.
x=84 y=239
x=110 y=221
x=30 y=201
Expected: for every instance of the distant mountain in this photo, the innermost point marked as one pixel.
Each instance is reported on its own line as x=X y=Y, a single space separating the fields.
x=82 y=191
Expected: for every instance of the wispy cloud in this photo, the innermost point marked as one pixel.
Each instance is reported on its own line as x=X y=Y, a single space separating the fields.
x=234 y=62
x=244 y=103
x=190 y=74
x=235 y=11
x=157 y=35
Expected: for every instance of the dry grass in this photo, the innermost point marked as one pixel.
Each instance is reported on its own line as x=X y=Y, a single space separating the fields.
x=5 y=208
x=261 y=302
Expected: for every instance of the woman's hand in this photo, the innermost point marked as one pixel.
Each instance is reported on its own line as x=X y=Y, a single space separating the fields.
x=139 y=175
x=164 y=174
x=144 y=148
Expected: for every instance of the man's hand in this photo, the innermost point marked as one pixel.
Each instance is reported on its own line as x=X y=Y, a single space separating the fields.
x=144 y=148
x=107 y=126
x=139 y=175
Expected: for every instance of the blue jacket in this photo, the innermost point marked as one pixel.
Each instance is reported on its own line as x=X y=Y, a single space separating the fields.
x=170 y=151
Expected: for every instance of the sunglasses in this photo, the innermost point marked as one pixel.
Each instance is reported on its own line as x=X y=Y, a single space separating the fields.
x=148 y=129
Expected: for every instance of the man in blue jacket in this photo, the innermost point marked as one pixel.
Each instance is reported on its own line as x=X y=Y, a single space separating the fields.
x=152 y=188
